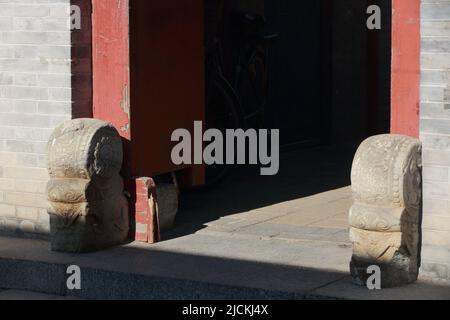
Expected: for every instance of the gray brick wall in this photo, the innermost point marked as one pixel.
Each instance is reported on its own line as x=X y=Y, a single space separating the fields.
x=435 y=134
x=35 y=96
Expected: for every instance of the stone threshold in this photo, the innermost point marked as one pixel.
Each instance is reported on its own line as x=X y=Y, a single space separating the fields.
x=139 y=271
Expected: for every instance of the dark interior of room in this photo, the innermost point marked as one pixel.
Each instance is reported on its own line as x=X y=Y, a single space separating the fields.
x=329 y=76
x=329 y=88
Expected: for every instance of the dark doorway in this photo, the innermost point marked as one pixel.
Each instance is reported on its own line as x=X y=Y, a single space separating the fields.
x=296 y=78
x=329 y=80
x=330 y=75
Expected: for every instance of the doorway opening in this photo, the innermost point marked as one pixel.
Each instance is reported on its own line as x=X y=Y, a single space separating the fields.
x=328 y=89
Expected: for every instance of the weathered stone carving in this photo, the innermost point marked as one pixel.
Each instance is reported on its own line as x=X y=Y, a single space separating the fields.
x=88 y=210
x=385 y=216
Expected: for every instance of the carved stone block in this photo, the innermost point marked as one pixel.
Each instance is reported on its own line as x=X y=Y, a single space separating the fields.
x=384 y=218
x=87 y=207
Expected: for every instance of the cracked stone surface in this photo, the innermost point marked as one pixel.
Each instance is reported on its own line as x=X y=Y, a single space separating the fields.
x=384 y=219
x=88 y=210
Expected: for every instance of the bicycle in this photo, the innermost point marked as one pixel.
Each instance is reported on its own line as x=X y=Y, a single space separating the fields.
x=241 y=104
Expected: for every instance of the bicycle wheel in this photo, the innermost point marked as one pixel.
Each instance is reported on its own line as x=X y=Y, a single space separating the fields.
x=222 y=113
x=253 y=87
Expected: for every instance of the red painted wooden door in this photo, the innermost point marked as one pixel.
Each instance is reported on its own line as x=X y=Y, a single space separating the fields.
x=405 y=88
x=148 y=70
x=167 y=77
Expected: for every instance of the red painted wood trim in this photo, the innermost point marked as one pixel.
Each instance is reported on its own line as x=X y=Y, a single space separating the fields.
x=405 y=87
x=143 y=217
x=111 y=61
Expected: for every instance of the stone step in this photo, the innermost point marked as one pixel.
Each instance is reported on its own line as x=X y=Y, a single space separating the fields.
x=162 y=271
x=29 y=295
x=182 y=269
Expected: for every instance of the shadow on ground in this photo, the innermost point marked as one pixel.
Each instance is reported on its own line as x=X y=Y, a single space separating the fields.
x=303 y=172
x=175 y=270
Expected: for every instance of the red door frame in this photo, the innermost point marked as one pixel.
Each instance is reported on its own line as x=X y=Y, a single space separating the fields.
x=405 y=74
x=110 y=61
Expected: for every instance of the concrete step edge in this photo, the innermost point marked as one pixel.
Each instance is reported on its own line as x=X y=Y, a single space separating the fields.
x=51 y=278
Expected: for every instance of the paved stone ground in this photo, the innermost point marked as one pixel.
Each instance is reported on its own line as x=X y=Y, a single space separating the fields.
x=308 y=200
x=252 y=237
x=322 y=217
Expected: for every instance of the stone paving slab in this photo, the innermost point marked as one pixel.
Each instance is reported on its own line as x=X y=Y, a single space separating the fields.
x=286 y=231
x=323 y=217
x=320 y=217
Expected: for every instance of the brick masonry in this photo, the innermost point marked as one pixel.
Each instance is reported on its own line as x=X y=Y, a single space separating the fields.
x=35 y=96
x=45 y=79
x=143 y=224
x=435 y=134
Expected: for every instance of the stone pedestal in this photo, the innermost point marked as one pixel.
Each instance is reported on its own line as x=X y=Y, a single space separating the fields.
x=87 y=207
x=385 y=216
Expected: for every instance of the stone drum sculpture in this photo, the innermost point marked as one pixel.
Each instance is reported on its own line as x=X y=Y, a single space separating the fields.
x=385 y=216
x=87 y=207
